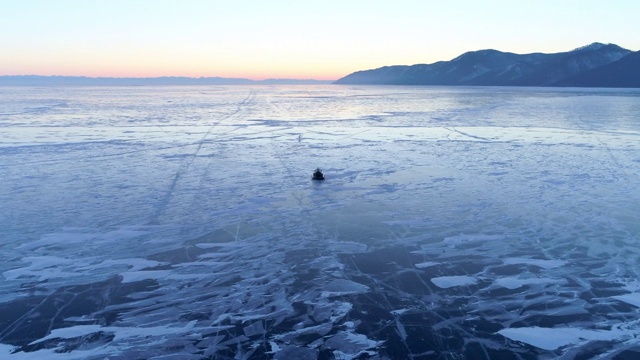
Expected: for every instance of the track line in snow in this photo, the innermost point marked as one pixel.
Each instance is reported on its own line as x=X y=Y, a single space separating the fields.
x=184 y=168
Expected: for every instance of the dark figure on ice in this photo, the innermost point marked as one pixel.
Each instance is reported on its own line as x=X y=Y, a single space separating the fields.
x=317 y=175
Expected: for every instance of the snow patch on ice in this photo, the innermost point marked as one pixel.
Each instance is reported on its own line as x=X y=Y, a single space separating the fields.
x=53 y=354
x=445 y=282
x=50 y=267
x=349 y=247
x=70 y=332
x=633 y=299
x=463 y=238
x=339 y=287
x=319 y=330
x=426 y=264
x=545 y=264
x=119 y=332
x=348 y=345
x=554 y=338
x=76 y=236
x=42 y=267
x=219 y=244
x=5 y=350
x=399 y=311
x=517 y=282
x=274 y=347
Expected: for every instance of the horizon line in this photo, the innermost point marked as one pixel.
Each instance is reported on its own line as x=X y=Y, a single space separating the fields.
x=168 y=77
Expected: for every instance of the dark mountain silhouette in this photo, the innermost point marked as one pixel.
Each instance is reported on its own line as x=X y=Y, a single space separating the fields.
x=21 y=80
x=622 y=73
x=496 y=68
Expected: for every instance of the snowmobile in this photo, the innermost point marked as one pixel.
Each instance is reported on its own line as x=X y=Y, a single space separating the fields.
x=317 y=174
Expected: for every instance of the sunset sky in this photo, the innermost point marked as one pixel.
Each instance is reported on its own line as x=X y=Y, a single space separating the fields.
x=290 y=39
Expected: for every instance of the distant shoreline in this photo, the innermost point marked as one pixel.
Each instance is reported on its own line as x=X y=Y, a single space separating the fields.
x=40 y=80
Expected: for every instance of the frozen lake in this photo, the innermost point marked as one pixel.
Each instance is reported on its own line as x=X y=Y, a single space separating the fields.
x=454 y=223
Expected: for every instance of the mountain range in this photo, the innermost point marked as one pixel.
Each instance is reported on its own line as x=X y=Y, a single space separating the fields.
x=594 y=65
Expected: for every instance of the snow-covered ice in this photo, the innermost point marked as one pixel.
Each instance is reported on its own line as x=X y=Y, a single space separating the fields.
x=182 y=222
x=445 y=282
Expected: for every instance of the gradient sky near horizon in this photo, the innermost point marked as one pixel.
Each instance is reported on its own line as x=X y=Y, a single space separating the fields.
x=290 y=39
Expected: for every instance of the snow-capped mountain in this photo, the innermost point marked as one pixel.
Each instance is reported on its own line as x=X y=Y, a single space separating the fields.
x=497 y=68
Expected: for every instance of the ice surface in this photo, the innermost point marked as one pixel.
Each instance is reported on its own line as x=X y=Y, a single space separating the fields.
x=181 y=222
